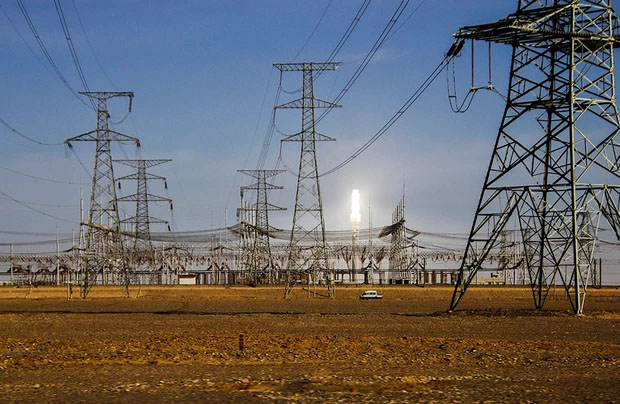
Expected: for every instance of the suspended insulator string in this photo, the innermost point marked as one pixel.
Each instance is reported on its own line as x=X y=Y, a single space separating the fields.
x=473 y=89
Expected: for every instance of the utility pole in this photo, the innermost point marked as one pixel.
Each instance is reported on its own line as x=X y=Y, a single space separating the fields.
x=104 y=246
x=260 y=261
x=57 y=258
x=308 y=225
x=142 y=245
x=556 y=144
x=11 y=261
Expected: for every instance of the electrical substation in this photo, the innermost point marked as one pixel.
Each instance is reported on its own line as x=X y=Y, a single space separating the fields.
x=552 y=182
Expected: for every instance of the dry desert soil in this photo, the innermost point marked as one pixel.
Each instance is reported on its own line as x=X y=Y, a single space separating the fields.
x=182 y=344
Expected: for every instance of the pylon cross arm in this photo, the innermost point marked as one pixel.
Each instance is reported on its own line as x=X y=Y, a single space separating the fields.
x=531 y=26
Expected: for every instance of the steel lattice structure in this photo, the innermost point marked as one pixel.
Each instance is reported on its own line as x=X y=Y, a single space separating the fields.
x=555 y=164
x=260 y=263
x=398 y=244
x=142 y=245
x=308 y=224
x=104 y=248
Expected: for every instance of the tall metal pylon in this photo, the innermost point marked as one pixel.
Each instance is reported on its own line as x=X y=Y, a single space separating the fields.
x=308 y=225
x=555 y=165
x=142 y=245
x=398 y=259
x=104 y=248
x=260 y=264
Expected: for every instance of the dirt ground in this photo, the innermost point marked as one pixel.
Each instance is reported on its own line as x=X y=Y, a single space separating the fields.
x=182 y=344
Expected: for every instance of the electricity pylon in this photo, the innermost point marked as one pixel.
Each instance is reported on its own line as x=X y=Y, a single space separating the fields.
x=142 y=245
x=399 y=261
x=260 y=260
x=308 y=224
x=104 y=248
x=555 y=165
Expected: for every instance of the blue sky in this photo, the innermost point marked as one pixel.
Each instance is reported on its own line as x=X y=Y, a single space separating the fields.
x=204 y=87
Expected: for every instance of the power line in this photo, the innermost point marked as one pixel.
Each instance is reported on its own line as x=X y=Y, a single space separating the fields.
x=414 y=12
x=26 y=205
x=369 y=56
x=349 y=31
x=39 y=178
x=47 y=54
x=18 y=133
x=74 y=56
x=79 y=160
x=414 y=97
x=90 y=46
x=343 y=40
x=67 y=240
x=314 y=30
x=24 y=39
x=27 y=233
x=272 y=123
x=43 y=204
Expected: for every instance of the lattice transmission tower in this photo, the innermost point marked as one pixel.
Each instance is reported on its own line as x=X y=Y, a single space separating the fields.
x=259 y=262
x=104 y=247
x=142 y=245
x=555 y=166
x=308 y=225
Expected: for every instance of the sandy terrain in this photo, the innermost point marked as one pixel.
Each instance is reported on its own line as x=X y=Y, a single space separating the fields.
x=182 y=344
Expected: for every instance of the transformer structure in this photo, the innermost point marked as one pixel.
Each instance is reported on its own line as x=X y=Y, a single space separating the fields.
x=555 y=165
x=142 y=246
x=398 y=245
x=308 y=229
x=245 y=215
x=259 y=262
x=104 y=247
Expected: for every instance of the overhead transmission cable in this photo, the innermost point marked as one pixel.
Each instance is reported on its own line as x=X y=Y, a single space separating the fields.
x=90 y=46
x=272 y=123
x=314 y=30
x=410 y=16
x=47 y=54
x=74 y=55
x=39 y=178
x=26 y=205
x=30 y=139
x=79 y=161
x=343 y=40
x=369 y=56
x=348 y=32
x=53 y=205
x=24 y=40
x=454 y=50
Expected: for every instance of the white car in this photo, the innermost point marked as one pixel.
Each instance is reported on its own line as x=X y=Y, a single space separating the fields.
x=370 y=294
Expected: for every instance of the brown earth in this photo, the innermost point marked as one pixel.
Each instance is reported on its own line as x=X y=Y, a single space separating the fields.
x=182 y=344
